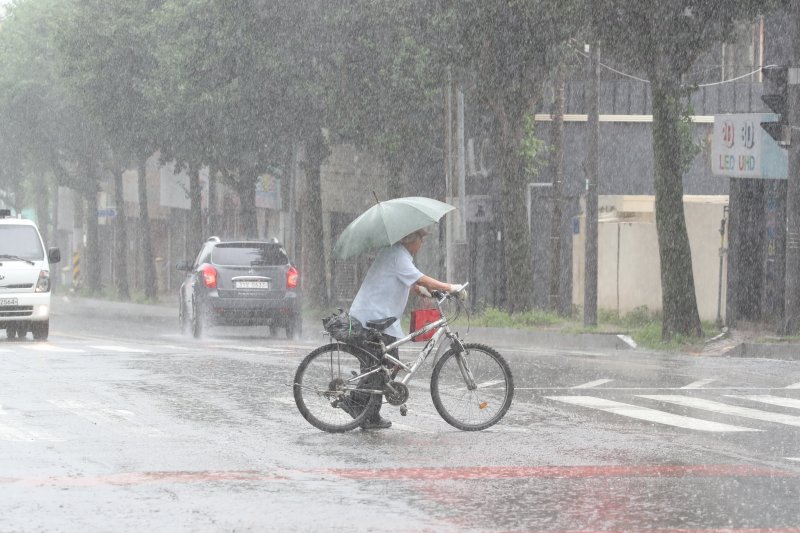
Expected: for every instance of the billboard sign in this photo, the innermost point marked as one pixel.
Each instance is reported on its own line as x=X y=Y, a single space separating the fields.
x=741 y=148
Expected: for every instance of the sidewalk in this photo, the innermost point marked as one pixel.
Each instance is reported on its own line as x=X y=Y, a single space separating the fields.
x=738 y=343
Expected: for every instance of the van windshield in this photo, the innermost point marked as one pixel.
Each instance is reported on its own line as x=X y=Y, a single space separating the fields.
x=21 y=241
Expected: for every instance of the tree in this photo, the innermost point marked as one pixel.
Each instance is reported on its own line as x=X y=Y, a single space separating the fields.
x=507 y=50
x=386 y=86
x=45 y=132
x=109 y=61
x=664 y=39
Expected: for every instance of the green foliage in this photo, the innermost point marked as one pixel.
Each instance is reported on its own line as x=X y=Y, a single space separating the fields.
x=533 y=150
x=497 y=318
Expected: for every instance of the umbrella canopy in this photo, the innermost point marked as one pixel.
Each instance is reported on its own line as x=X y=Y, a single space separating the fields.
x=387 y=222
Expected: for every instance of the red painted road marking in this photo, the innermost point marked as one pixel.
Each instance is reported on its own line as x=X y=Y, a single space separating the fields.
x=432 y=473
x=567 y=472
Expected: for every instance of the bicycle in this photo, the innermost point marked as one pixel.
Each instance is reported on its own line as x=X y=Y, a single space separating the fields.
x=471 y=384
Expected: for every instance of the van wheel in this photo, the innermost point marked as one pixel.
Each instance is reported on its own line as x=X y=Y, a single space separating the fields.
x=41 y=330
x=11 y=332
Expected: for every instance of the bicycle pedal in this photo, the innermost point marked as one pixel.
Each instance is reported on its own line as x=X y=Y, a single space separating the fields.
x=403 y=410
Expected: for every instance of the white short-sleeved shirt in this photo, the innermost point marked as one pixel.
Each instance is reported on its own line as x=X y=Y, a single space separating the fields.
x=385 y=289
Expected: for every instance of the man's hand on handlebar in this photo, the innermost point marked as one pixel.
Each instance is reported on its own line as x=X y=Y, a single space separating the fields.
x=459 y=291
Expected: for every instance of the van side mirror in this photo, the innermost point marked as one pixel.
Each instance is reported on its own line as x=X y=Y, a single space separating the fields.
x=183 y=266
x=53 y=255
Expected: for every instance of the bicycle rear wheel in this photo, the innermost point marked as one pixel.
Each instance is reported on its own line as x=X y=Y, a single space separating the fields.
x=472 y=390
x=325 y=389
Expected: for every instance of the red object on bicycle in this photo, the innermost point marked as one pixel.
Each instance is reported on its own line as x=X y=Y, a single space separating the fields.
x=421 y=318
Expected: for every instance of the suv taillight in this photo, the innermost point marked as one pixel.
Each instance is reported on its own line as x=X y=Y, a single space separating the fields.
x=291 y=278
x=209 y=276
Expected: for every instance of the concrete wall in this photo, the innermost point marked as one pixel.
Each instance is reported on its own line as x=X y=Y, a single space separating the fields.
x=629 y=269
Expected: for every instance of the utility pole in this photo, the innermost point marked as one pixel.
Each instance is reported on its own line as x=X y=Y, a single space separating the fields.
x=791 y=312
x=590 y=270
x=448 y=172
x=557 y=168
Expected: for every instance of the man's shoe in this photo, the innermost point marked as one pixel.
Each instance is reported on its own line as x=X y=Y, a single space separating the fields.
x=377 y=423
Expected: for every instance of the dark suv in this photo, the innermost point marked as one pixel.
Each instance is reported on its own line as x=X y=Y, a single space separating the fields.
x=240 y=283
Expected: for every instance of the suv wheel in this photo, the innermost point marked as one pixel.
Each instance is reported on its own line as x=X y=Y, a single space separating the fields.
x=294 y=327
x=198 y=320
x=183 y=320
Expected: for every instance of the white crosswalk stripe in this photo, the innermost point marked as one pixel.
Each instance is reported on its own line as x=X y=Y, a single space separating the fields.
x=103 y=415
x=12 y=432
x=725 y=409
x=647 y=414
x=771 y=400
x=698 y=384
x=591 y=384
x=122 y=349
x=51 y=348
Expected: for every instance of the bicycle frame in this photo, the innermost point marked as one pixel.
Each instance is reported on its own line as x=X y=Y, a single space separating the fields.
x=424 y=353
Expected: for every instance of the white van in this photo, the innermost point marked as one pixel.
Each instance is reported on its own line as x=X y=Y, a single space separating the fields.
x=24 y=278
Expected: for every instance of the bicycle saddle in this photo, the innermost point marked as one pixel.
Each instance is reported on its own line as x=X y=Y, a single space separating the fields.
x=381 y=324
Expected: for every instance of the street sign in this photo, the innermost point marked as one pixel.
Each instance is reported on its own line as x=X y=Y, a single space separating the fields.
x=478 y=208
x=107 y=212
x=740 y=148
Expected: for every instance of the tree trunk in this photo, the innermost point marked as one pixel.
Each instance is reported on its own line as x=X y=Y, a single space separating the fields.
x=212 y=223
x=43 y=209
x=91 y=253
x=395 y=186
x=122 y=239
x=246 y=188
x=677 y=280
x=195 y=233
x=150 y=281
x=313 y=253
x=514 y=216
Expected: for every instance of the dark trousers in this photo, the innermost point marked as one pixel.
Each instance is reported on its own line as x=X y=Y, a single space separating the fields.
x=378 y=380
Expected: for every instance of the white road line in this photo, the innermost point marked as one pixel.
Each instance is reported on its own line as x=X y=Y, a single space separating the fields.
x=772 y=400
x=52 y=348
x=725 y=409
x=793 y=386
x=698 y=384
x=792 y=458
x=102 y=415
x=253 y=349
x=119 y=349
x=645 y=413
x=591 y=384
x=286 y=400
x=10 y=432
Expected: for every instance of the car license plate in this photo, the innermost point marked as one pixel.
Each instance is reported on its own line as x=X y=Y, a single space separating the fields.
x=8 y=301
x=252 y=285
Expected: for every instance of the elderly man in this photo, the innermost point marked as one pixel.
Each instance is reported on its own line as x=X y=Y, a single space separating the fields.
x=384 y=293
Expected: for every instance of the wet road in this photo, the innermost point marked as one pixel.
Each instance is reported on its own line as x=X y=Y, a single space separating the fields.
x=120 y=424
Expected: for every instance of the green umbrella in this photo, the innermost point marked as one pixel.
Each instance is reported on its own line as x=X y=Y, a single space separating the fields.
x=385 y=223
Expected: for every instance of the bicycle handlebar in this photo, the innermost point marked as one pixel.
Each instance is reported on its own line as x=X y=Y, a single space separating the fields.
x=440 y=295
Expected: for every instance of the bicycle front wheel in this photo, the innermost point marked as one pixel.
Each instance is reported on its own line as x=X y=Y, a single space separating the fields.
x=325 y=388
x=472 y=390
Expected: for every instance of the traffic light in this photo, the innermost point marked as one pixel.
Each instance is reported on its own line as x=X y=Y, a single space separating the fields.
x=776 y=97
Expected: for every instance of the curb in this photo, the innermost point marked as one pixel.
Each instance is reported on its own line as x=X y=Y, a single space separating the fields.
x=788 y=352
x=578 y=341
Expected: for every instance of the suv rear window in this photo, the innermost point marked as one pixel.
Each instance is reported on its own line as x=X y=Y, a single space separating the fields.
x=21 y=241
x=249 y=254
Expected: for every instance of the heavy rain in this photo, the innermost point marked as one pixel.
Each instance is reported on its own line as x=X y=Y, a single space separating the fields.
x=407 y=265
